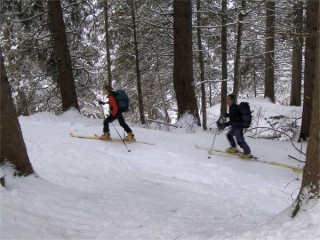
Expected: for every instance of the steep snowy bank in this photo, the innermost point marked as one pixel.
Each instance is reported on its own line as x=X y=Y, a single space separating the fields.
x=97 y=190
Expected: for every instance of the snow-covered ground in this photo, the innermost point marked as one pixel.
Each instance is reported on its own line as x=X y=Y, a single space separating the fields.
x=91 y=189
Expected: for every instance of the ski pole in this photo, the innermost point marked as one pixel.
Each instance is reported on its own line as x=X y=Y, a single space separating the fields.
x=116 y=130
x=214 y=139
x=215 y=135
x=121 y=138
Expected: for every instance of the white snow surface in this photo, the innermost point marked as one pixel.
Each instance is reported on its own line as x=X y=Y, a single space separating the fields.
x=90 y=189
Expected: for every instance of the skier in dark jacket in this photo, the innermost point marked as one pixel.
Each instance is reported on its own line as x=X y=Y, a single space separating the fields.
x=114 y=114
x=236 y=129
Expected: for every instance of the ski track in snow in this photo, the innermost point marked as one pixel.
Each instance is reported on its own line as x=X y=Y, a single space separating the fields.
x=97 y=190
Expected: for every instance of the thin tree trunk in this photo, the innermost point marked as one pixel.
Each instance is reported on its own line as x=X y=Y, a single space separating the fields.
x=210 y=96
x=106 y=26
x=255 y=79
x=13 y=148
x=7 y=44
x=310 y=65
x=22 y=104
x=183 y=64
x=210 y=83
x=236 y=69
x=62 y=55
x=165 y=108
x=269 y=51
x=203 y=89
x=310 y=188
x=224 y=57
x=297 y=56
x=21 y=100
x=136 y=50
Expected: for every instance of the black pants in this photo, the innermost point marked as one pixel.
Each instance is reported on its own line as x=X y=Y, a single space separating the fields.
x=238 y=133
x=122 y=123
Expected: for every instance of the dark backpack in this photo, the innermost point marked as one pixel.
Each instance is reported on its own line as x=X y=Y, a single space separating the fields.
x=122 y=100
x=245 y=115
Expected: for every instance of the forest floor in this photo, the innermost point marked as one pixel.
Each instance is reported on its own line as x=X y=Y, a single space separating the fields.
x=90 y=189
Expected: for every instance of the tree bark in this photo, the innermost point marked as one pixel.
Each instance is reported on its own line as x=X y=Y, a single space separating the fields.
x=310 y=188
x=13 y=148
x=310 y=65
x=162 y=93
x=255 y=79
x=106 y=25
x=22 y=104
x=203 y=89
x=62 y=54
x=297 y=45
x=224 y=57
x=210 y=95
x=269 y=51
x=183 y=64
x=236 y=69
x=136 y=50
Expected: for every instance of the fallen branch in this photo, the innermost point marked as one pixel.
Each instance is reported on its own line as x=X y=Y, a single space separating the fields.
x=267 y=137
x=164 y=123
x=294 y=158
x=300 y=151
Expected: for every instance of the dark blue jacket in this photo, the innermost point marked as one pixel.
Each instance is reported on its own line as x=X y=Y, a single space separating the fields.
x=234 y=116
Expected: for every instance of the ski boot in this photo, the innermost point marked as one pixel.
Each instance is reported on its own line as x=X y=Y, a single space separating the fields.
x=130 y=137
x=232 y=150
x=246 y=155
x=105 y=136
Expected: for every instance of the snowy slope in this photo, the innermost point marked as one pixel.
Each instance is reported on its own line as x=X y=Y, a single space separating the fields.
x=91 y=189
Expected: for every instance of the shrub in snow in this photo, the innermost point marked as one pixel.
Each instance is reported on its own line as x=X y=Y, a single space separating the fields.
x=189 y=122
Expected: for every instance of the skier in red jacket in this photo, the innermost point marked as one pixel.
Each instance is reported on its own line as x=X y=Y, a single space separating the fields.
x=114 y=114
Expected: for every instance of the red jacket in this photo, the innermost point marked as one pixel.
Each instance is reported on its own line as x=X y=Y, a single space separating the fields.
x=113 y=105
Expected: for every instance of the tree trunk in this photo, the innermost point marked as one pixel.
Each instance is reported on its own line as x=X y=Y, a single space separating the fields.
x=62 y=55
x=210 y=95
x=224 y=57
x=13 y=148
x=106 y=25
x=255 y=79
x=136 y=50
x=297 y=56
x=269 y=51
x=203 y=89
x=162 y=93
x=236 y=69
x=183 y=64
x=22 y=104
x=310 y=65
x=310 y=188
x=7 y=44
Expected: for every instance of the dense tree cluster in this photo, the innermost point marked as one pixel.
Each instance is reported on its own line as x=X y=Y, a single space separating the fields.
x=252 y=44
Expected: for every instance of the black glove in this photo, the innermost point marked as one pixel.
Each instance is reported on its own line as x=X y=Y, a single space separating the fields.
x=221 y=125
x=101 y=103
x=110 y=118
